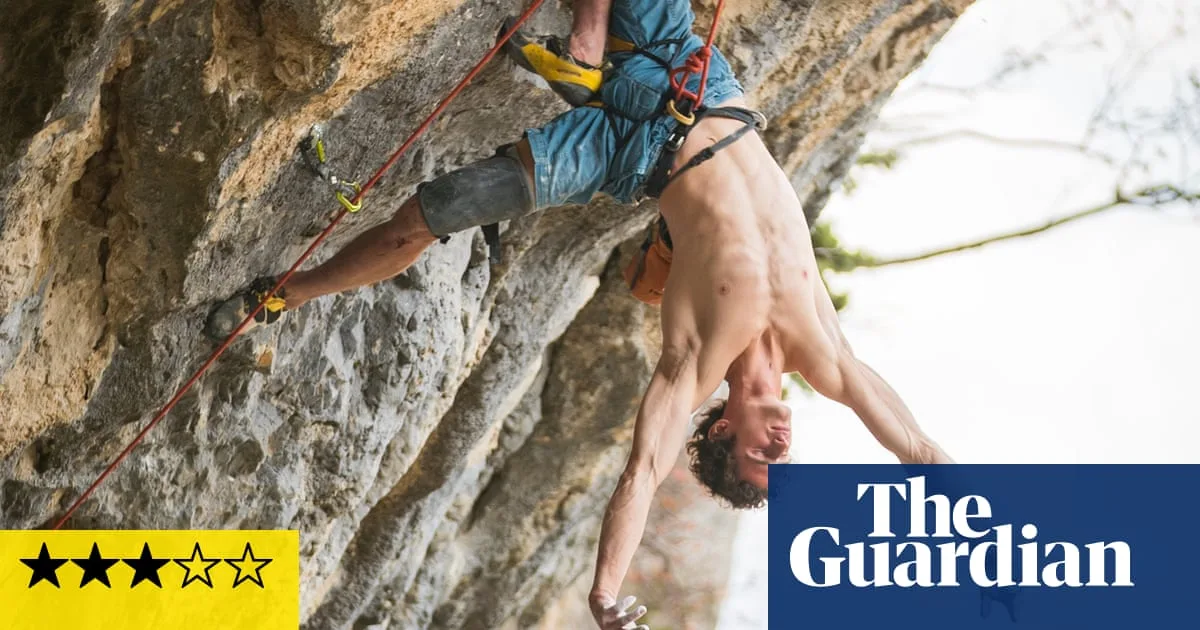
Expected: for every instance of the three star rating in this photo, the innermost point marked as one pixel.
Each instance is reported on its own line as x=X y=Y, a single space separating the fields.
x=130 y=580
x=146 y=567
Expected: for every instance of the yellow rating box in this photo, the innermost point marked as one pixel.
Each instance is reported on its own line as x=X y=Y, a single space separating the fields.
x=149 y=579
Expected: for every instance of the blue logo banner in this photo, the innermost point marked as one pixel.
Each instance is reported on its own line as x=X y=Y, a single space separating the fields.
x=984 y=546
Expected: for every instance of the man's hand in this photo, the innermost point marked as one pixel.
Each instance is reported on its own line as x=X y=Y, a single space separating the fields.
x=610 y=616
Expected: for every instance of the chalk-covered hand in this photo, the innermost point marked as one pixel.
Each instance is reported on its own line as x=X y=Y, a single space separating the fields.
x=611 y=616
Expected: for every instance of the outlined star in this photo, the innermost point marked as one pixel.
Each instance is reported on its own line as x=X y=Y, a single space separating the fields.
x=44 y=567
x=243 y=574
x=95 y=567
x=195 y=572
x=145 y=567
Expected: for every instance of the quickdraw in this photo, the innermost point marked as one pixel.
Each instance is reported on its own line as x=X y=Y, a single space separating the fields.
x=312 y=148
x=686 y=107
x=684 y=102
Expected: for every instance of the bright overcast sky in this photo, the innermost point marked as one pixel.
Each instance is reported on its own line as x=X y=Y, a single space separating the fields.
x=1079 y=345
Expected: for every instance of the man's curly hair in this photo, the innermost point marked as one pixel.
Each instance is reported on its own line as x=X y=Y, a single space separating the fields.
x=713 y=464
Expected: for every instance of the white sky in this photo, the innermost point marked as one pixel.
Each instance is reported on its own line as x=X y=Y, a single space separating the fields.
x=1079 y=345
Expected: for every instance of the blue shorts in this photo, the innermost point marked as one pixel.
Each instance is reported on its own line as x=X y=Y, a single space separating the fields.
x=614 y=149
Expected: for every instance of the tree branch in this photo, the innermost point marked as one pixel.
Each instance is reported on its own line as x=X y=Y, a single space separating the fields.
x=1024 y=143
x=1149 y=197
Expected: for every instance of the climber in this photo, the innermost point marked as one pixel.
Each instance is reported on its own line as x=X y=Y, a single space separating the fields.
x=745 y=305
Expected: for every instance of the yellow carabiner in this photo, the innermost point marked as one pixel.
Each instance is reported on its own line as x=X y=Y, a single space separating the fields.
x=320 y=150
x=346 y=202
x=688 y=120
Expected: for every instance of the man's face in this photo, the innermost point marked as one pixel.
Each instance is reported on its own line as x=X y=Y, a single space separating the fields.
x=762 y=432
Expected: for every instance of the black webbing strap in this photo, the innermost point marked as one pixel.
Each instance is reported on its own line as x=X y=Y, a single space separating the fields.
x=491 y=236
x=662 y=176
x=645 y=52
x=491 y=231
x=708 y=153
x=664 y=233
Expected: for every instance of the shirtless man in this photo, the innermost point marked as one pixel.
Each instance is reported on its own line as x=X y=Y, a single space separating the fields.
x=745 y=303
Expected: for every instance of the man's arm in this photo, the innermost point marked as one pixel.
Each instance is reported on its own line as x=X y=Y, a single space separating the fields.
x=661 y=429
x=839 y=375
x=703 y=332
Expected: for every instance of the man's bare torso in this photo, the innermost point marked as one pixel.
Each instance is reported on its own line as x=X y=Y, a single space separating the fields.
x=743 y=269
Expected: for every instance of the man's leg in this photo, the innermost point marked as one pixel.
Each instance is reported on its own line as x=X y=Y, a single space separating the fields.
x=589 y=31
x=380 y=253
x=488 y=191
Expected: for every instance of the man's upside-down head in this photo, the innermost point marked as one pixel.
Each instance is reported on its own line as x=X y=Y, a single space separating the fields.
x=733 y=445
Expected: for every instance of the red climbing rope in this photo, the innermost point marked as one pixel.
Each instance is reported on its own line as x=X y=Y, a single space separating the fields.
x=696 y=63
x=299 y=261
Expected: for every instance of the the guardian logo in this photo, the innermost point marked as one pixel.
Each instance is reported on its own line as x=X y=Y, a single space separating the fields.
x=914 y=561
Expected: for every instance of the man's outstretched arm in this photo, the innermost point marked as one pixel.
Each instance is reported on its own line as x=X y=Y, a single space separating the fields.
x=659 y=435
x=839 y=375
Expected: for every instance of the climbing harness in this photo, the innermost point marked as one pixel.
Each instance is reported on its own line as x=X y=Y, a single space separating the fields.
x=662 y=175
x=355 y=200
x=647 y=272
x=684 y=105
x=313 y=150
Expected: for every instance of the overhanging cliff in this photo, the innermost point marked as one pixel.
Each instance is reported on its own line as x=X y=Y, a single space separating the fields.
x=445 y=442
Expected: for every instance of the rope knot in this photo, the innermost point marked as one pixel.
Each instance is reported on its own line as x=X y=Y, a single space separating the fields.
x=696 y=61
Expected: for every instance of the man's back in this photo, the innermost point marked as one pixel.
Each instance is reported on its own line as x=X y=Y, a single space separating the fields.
x=742 y=248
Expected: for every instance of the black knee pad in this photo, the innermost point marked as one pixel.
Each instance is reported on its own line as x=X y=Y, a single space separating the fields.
x=484 y=193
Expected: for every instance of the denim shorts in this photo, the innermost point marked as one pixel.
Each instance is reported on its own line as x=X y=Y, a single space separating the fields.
x=614 y=149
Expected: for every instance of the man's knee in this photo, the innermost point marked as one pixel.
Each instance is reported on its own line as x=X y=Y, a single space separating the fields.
x=499 y=188
x=407 y=226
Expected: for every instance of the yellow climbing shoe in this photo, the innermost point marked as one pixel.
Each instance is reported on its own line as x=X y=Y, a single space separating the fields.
x=575 y=81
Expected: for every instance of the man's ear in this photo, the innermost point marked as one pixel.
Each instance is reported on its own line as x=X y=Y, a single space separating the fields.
x=719 y=430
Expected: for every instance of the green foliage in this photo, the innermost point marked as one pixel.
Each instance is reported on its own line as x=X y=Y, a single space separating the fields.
x=885 y=159
x=840 y=300
x=849 y=185
x=823 y=236
x=831 y=256
x=795 y=381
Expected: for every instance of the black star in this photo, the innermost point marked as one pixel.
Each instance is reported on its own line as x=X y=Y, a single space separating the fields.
x=145 y=567
x=252 y=573
x=44 y=567
x=197 y=567
x=94 y=567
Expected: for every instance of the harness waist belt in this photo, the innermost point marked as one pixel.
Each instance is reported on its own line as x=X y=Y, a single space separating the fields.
x=662 y=176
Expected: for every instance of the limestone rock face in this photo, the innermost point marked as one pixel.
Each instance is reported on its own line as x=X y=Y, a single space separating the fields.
x=445 y=442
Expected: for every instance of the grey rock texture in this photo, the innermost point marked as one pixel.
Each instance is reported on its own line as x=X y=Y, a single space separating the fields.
x=445 y=441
